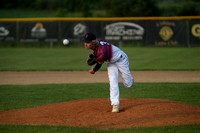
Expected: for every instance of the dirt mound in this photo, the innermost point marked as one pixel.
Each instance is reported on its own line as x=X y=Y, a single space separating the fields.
x=97 y=113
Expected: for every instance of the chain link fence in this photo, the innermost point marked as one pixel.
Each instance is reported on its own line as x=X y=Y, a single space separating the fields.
x=151 y=31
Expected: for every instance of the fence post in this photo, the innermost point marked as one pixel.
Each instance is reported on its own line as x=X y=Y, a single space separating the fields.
x=17 y=32
x=188 y=33
x=59 y=31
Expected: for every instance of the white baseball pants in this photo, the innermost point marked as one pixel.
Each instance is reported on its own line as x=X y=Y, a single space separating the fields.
x=122 y=66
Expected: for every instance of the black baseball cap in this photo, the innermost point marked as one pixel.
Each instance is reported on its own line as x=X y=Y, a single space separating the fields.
x=89 y=37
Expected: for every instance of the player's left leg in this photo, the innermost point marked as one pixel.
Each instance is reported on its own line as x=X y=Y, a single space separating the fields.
x=123 y=66
x=114 y=88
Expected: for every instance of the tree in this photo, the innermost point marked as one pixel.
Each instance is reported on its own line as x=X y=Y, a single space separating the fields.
x=131 y=8
x=179 y=8
x=189 y=8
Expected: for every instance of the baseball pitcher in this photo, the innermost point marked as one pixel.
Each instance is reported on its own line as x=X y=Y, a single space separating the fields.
x=117 y=61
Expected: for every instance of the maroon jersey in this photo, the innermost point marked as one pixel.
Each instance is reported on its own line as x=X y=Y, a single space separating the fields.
x=103 y=51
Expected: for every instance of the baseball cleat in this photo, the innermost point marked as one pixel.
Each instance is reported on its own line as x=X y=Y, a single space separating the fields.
x=115 y=109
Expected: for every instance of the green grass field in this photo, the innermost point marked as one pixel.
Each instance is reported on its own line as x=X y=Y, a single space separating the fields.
x=64 y=129
x=70 y=58
x=26 y=96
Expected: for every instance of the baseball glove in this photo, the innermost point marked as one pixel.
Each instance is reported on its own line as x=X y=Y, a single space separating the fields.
x=91 y=60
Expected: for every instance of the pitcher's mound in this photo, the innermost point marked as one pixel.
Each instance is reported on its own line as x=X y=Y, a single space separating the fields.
x=97 y=113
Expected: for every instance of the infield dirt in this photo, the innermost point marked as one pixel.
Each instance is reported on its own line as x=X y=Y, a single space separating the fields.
x=57 y=77
x=96 y=113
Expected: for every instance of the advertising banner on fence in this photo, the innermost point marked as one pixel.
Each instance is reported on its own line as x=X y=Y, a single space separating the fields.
x=166 y=33
x=124 y=30
x=109 y=31
x=184 y=32
x=194 y=32
x=75 y=30
x=7 y=31
x=38 y=31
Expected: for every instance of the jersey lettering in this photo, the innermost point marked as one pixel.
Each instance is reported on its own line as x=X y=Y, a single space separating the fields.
x=104 y=43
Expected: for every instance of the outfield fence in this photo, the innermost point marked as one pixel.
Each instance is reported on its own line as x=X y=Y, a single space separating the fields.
x=151 y=31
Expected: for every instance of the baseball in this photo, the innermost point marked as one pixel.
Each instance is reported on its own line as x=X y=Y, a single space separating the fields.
x=65 y=42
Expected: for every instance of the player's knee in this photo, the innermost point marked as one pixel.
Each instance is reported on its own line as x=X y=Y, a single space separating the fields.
x=130 y=84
